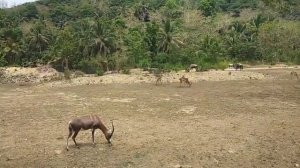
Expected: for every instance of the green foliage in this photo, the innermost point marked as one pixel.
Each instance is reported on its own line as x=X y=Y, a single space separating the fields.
x=99 y=72
x=96 y=36
x=144 y=63
x=155 y=4
x=90 y=66
x=280 y=41
x=172 y=9
x=126 y=71
x=151 y=38
x=67 y=74
x=29 y=12
x=136 y=47
x=237 y=5
x=208 y=7
x=259 y=20
x=3 y=62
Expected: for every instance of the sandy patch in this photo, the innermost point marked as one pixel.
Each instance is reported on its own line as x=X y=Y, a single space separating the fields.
x=47 y=76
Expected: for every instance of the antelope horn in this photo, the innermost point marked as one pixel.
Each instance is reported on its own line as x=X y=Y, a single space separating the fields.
x=113 y=128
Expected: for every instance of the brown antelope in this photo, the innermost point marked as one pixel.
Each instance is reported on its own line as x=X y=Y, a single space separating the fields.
x=185 y=81
x=159 y=80
x=294 y=74
x=88 y=122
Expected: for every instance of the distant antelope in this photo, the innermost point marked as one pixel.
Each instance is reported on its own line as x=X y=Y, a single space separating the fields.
x=185 y=81
x=238 y=66
x=294 y=74
x=159 y=80
x=88 y=122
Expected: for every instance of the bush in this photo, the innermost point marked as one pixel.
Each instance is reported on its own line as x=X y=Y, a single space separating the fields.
x=99 y=72
x=126 y=71
x=221 y=65
x=90 y=67
x=67 y=74
x=144 y=63
x=3 y=62
x=209 y=7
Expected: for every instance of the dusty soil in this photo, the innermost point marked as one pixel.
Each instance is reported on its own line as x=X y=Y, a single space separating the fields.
x=221 y=123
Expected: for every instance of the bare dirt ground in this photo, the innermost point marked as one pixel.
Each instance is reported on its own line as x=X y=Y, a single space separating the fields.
x=222 y=123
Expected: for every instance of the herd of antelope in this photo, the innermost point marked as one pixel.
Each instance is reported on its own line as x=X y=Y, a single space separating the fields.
x=93 y=122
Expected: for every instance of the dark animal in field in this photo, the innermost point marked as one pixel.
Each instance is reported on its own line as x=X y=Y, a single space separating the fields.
x=158 y=80
x=185 y=80
x=294 y=75
x=88 y=122
x=236 y=13
x=238 y=66
x=142 y=14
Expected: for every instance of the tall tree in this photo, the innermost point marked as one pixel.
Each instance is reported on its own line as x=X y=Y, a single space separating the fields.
x=38 y=40
x=168 y=38
x=102 y=43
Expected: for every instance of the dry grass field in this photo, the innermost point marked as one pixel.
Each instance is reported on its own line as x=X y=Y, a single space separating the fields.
x=234 y=123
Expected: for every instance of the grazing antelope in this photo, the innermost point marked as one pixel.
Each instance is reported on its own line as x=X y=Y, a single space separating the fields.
x=88 y=122
x=159 y=80
x=294 y=74
x=185 y=81
x=238 y=66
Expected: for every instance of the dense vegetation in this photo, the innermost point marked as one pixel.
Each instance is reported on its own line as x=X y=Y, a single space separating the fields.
x=100 y=35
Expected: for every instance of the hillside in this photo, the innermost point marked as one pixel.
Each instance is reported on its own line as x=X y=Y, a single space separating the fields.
x=99 y=35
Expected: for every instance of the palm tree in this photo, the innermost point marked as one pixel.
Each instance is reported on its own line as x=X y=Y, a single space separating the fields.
x=82 y=33
x=102 y=40
x=10 y=44
x=11 y=50
x=37 y=40
x=168 y=38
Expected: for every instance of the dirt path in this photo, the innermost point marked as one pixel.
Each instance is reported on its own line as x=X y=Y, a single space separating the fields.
x=230 y=123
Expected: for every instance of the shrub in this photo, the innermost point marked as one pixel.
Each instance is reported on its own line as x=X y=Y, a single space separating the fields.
x=67 y=74
x=90 y=66
x=126 y=71
x=99 y=72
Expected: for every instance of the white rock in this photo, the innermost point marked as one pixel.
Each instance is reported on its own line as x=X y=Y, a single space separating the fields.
x=58 y=152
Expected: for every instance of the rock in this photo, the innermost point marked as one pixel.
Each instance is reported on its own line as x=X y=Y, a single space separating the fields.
x=58 y=152
x=297 y=165
x=231 y=151
x=177 y=166
x=60 y=137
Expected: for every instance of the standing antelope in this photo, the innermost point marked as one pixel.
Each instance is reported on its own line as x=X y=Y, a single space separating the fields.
x=185 y=81
x=88 y=122
x=159 y=80
x=294 y=74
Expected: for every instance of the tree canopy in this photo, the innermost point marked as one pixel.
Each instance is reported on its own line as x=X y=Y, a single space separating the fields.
x=101 y=35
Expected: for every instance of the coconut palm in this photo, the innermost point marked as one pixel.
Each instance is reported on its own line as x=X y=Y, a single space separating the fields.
x=102 y=40
x=168 y=38
x=38 y=41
